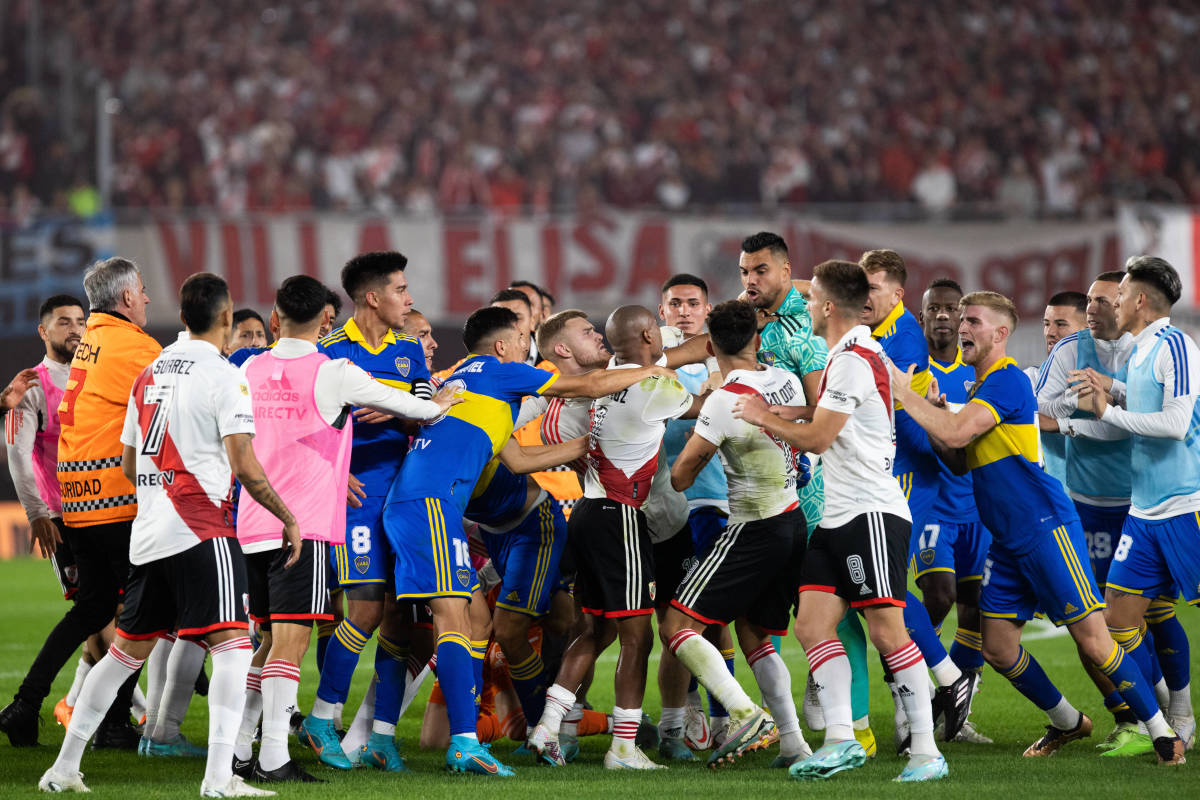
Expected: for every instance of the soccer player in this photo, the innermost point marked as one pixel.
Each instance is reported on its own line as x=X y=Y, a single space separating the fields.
x=31 y=435
x=537 y=311
x=528 y=315
x=99 y=503
x=547 y=304
x=376 y=284
x=946 y=557
x=1033 y=564
x=684 y=309
x=249 y=330
x=752 y=570
x=424 y=508
x=1156 y=554
x=187 y=431
x=916 y=468
x=856 y=557
x=417 y=326
x=1065 y=315
x=616 y=568
x=303 y=440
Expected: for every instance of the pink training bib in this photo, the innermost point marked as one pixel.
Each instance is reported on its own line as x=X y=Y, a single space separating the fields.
x=45 y=446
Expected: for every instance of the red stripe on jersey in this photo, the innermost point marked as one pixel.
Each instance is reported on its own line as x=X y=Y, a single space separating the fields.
x=12 y=423
x=879 y=370
x=790 y=454
x=205 y=519
x=628 y=489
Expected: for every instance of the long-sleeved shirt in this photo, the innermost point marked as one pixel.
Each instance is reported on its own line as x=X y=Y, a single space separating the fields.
x=23 y=425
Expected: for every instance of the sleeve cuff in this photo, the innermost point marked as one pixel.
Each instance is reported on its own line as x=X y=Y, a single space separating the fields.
x=988 y=406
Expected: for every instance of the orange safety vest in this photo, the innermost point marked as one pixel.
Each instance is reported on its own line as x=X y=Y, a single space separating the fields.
x=110 y=356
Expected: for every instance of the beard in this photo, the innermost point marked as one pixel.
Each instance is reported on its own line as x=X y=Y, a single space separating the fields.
x=65 y=351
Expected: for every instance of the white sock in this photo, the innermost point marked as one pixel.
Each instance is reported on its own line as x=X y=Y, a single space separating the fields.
x=908 y=668
x=1063 y=716
x=1180 y=703
x=226 y=698
x=1162 y=695
x=704 y=661
x=570 y=723
x=385 y=728
x=337 y=715
x=670 y=724
x=862 y=723
x=98 y=693
x=137 y=703
x=187 y=657
x=625 y=728
x=280 y=684
x=693 y=698
x=322 y=709
x=899 y=716
x=156 y=678
x=558 y=702
x=81 y=671
x=361 y=727
x=243 y=745
x=1157 y=726
x=775 y=682
x=830 y=670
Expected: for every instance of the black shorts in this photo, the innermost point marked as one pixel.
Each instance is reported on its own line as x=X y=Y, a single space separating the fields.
x=196 y=592
x=615 y=561
x=673 y=558
x=63 y=562
x=752 y=571
x=864 y=562
x=297 y=594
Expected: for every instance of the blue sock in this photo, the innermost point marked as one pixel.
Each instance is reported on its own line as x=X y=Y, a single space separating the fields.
x=1171 y=643
x=341 y=658
x=1134 y=644
x=391 y=665
x=920 y=628
x=1117 y=706
x=1028 y=678
x=478 y=654
x=1156 y=673
x=854 y=640
x=715 y=709
x=693 y=685
x=1131 y=682
x=967 y=650
x=455 y=675
x=529 y=681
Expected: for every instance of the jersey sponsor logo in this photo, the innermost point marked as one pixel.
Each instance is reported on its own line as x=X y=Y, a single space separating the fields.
x=164 y=478
x=82 y=488
x=464 y=577
x=403 y=365
x=278 y=412
x=276 y=396
x=362 y=564
x=418 y=444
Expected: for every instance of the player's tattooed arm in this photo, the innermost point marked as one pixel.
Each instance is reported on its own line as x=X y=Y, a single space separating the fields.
x=249 y=472
x=692 y=459
x=523 y=459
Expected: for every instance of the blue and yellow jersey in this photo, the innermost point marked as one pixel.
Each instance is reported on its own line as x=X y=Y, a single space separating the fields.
x=956 y=497
x=499 y=496
x=243 y=354
x=904 y=343
x=447 y=458
x=399 y=361
x=1018 y=502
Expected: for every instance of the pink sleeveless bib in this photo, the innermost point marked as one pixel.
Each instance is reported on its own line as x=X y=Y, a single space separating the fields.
x=306 y=459
x=45 y=446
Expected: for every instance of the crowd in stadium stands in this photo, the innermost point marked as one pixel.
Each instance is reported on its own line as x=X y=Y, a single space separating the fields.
x=1054 y=107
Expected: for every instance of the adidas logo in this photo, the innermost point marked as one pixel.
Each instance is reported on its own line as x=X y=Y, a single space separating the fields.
x=513 y=597
x=1070 y=608
x=863 y=589
x=1125 y=686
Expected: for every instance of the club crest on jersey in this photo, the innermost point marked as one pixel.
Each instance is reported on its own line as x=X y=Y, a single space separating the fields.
x=767 y=357
x=927 y=556
x=464 y=577
x=362 y=564
x=403 y=365
x=653 y=589
x=246 y=603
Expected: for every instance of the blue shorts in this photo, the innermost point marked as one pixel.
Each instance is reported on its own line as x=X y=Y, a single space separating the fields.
x=959 y=548
x=921 y=492
x=1102 y=527
x=1050 y=579
x=433 y=557
x=1153 y=557
x=366 y=557
x=527 y=558
x=706 y=523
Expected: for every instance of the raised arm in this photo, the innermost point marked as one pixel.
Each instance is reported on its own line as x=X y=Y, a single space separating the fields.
x=693 y=351
x=952 y=430
x=692 y=459
x=812 y=437
x=523 y=459
x=602 y=382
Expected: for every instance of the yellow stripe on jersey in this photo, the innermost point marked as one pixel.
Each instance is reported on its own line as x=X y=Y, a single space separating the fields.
x=548 y=383
x=888 y=326
x=1082 y=584
x=986 y=405
x=403 y=385
x=354 y=334
x=545 y=547
x=493 y=417
x=485 y=477
x=437 y=544
x=1003 y=441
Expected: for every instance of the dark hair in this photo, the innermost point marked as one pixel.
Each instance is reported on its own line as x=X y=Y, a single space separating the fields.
x=485 y=324
x=301 y=299
x=731 y=326
x=1075 y=300
x=57 y=301
x=1155 y=273
x=243 y=314
x=685 y=279
x=527 y=285
x=509 y=295
x=364 y=272
x=332 y=298
x=1112 y=276
x=200 y=298
x=765 y=240
x=546 y=296
x=887 y=261
x=945 y=283
x=845 y=284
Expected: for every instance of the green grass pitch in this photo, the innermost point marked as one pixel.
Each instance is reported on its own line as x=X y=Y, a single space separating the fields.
x=32 y=606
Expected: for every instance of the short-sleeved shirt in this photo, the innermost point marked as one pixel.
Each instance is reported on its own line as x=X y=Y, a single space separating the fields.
x=858 y=464
x=399 y=361
x=180 y=410
x=760 y=468
x=709 y=488
x=1017 y=501
x=904 y=343
x=447 y=457
x=956 y=495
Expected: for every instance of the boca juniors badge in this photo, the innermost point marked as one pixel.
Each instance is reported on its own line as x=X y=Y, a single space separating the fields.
x=464 y=577
x=767 y=357
x=362 y=564
x=403 y=365
x=927 y=556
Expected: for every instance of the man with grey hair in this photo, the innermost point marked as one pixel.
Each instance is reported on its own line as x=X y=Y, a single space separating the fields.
x=98 y=501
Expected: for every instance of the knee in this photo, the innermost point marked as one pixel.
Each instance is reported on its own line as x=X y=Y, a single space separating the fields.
x=510 y=633
x=888 y=640
x=366 y=617
x=999 y=655
x=939 y=597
